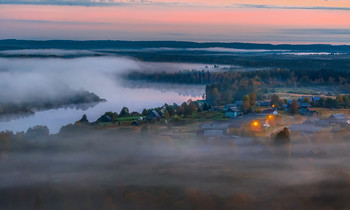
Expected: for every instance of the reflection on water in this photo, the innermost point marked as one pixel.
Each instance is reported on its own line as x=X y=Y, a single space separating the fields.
x=180 y=89
x=135 y=97
x=9 y=117
x=21 y=79
x=83 y=106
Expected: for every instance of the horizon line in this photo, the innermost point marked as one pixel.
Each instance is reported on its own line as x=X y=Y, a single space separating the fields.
x=183 y=41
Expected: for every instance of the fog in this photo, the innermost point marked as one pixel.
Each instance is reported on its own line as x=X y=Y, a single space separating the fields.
x=48 y=52
x=210 y=49
x=44 y=79
x=87 y=166
x=22 y=79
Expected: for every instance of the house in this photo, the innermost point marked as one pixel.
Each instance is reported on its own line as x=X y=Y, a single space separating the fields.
x=308 y=113
x=311 y=113
x=316 y=122
x=270 y=111
x=310 y=122
x=338 y=119
x=233 y=112
x=228 y=106
x=311 y=98
x=285 y=107
x=316 y=98
x=263 y=103
x=322 y=123
x=215 y=129
x=239 y=104
x=304 y=105
x=304 y=109
x=305 y=129
x=154 y=115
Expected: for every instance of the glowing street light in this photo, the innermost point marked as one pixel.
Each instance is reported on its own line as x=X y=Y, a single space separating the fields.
x=255 y=123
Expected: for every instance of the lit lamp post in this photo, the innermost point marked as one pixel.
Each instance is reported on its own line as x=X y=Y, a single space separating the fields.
x=255 y=125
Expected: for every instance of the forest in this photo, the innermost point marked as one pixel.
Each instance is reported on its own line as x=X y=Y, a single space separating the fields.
x=226 y=87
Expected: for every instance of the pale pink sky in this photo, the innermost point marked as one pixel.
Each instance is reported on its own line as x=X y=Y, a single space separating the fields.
x=311 y=21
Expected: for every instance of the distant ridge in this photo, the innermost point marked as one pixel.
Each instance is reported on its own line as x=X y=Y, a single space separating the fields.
x=13 y=44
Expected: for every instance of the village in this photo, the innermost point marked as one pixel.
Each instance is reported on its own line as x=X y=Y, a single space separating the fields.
x=231 y=123
x=270 y=119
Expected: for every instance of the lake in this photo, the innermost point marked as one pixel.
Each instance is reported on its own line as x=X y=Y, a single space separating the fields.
x=30 y=77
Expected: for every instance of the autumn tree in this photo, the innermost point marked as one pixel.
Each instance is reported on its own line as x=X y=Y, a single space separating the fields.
x=192 y=106
x=340 y=99
x=346 y=101
x=213 y=96
x=275 y=99
x=166 y=114
x=282 y=137
x=282 y=140
x=246 y=103
x=171 y=110
x=294 y=107
x=252 y=97
x=307 y=100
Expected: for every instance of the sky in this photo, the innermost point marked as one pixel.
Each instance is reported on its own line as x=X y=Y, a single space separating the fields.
x=260 y=21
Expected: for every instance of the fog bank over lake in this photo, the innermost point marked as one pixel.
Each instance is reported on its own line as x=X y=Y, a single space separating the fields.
x=23 y=80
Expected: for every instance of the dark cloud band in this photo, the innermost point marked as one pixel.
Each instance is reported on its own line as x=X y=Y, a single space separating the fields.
x=262 y=6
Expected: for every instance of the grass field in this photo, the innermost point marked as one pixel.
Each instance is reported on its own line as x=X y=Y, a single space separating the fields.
x=204 y=116
x=296 y=92
x=131 y=118
x=325 y=112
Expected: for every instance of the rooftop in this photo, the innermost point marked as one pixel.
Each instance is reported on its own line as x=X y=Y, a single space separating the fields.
x=339 y=116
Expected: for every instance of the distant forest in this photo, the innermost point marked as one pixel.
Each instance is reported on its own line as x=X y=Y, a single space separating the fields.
x=190 y=52
x=12 y=44
x=231 y=86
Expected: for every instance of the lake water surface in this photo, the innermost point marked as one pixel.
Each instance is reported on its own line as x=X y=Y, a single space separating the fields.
x=23 y=78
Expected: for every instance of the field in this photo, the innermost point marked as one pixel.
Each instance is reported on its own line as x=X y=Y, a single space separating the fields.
x=325 y=113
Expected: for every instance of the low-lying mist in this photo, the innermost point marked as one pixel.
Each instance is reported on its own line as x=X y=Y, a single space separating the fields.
x=40 y=79
x=150 y=168
x=44 y=81
x=32 y=79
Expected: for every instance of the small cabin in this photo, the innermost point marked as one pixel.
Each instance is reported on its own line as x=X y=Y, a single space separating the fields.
x=338 y=119
x=233 y=112
x=154 y=115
